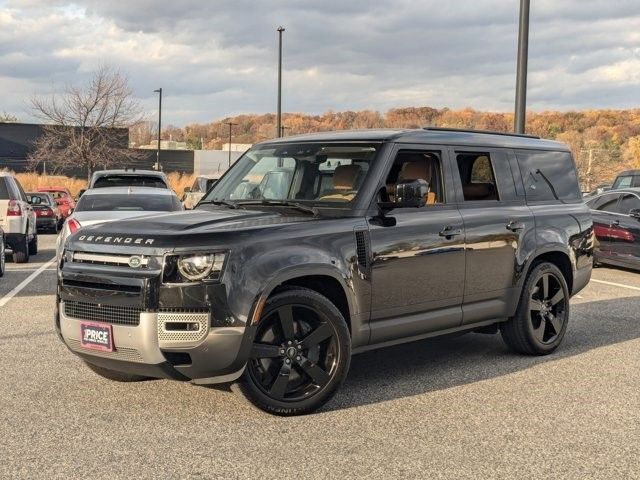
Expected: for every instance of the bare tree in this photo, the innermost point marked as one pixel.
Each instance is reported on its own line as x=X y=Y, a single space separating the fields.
x=86 y=126
x=7 y=118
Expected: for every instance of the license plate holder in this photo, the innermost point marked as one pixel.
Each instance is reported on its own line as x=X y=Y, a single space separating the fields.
x=96 y=336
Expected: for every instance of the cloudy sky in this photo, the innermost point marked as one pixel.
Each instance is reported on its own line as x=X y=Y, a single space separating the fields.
x=218 y=58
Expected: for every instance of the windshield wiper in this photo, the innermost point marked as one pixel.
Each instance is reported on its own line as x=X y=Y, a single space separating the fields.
x=220 y=202
x=285 y=203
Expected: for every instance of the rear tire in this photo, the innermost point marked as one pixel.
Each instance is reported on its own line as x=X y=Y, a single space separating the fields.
x=115 y=376
x=541 y=319
x=21 y=251
x=300 y=356
x=33 y=245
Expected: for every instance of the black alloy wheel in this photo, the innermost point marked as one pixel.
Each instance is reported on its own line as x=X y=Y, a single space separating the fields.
x=541 y=318
x=300 y=355
x=547 y=304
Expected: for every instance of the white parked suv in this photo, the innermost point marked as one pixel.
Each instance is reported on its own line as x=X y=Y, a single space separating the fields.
x=17 y=219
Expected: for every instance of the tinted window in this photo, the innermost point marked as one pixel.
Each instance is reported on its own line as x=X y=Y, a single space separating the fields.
x=629 y=202
x=605 y=203
x=4 y=191
x=125 y=202
x=627 y=181
x=129 y=181
x=546 y=172
x=42 y=196
x=477 y=177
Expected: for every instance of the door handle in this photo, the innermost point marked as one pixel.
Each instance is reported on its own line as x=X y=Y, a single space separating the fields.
x=450 y=231
x=514 y=226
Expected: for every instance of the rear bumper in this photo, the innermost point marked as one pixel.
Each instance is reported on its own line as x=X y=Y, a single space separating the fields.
x=46 y=222
x=217 y=355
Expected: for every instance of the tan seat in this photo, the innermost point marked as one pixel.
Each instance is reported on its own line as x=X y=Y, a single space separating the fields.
x=479 y=191
x=345 y=179
x=415 y=170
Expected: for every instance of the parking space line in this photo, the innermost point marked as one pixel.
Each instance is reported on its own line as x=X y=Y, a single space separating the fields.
x=613 y=284
x=25 y=282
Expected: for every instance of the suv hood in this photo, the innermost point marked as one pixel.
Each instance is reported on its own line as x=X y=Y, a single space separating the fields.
x=179 y=229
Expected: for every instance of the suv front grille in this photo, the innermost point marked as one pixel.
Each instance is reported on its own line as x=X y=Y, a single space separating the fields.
x=116 y=260
x=114 y=314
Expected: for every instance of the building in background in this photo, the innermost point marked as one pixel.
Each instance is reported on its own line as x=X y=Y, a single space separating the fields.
x=236 y=147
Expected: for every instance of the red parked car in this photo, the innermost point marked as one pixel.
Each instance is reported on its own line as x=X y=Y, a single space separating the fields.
x=63 y=198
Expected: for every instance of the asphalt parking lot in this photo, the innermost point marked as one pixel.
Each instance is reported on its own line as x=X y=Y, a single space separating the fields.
x=459 y=407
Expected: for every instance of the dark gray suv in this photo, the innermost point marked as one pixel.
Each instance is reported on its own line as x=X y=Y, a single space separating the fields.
x=367 y=239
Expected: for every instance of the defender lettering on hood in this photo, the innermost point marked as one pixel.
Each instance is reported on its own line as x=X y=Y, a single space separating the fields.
x=116 y=240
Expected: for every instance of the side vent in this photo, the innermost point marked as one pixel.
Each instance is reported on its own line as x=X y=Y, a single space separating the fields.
x=362 y=249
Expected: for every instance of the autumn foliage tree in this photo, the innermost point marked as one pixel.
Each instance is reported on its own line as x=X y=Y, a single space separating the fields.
x=84 y=124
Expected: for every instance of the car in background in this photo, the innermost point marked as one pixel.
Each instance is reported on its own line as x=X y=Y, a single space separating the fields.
x=102 y=205
x=63 y=199
x=17 y=219
x=128 y=178
x=48 y=215
x=627 y=179
x=616 y=222
x=201 y=185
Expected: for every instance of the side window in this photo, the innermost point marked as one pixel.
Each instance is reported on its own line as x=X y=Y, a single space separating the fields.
x=477 y=176
x=21 y=194
x=623 y=182
x=414 y=165
x=629 y=202
x=545 y=173
x=5 y=193
x=605 y=203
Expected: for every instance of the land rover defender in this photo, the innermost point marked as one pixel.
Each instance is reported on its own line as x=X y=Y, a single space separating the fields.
x=316 y=247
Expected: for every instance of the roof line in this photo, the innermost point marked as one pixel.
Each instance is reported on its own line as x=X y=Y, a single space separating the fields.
x=488 y=132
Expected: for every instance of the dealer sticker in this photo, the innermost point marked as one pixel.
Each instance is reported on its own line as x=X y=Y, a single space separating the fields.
x=97 y=336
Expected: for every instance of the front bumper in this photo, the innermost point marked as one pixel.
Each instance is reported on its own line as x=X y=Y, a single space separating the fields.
x=218 y=354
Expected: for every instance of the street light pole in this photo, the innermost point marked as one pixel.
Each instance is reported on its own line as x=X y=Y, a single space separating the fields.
x=521 y=76
x=282 y=129
x=159 y=91
x=279 y=116
x=231 y=124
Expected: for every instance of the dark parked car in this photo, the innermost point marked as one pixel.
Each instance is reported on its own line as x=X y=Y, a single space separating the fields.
x=313 y=248
x=616 y=221
x=627 y=179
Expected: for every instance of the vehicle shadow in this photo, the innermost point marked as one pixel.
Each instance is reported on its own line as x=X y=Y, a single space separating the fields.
x=446 y=362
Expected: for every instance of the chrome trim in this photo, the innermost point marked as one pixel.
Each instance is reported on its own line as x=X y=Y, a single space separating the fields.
x=108 y=259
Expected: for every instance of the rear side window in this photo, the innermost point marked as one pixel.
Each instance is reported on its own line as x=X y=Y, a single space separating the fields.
x=477 y=177
x=548 y=174
x=605 y=203
x=4 y=191
x=629 y=202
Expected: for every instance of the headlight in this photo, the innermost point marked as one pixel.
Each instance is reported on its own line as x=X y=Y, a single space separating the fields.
x=193 y=267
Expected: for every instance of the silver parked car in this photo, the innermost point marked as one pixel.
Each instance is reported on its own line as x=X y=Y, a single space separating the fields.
x=108 y=204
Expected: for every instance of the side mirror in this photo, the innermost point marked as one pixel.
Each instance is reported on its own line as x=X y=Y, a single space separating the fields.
x=411 y=193
x=635 y=213
x=35 y=200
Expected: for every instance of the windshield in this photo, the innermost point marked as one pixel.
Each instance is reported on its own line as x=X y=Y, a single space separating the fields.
x=129 y=181
x=44 y=198
x=124 y=202
x=329 y=174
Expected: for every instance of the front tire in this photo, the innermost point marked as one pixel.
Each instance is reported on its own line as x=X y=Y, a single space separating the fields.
x=541 y=319
x=115 y=376
x=300 y=356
